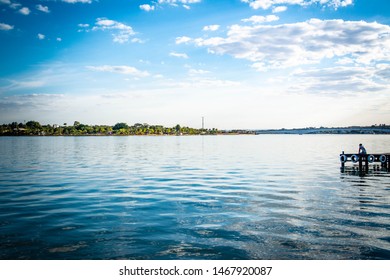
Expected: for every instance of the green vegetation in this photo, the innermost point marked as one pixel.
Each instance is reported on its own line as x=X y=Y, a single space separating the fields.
x=79 y=129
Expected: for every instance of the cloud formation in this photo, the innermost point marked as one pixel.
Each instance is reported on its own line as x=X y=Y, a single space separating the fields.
x=179 y=55
x=24 y=83
x=176 y=2
x=261 y=19
x=121 y=69
x=147 y=7
x=340 y=79
x=302 y=43
x=25 y=11
x=184 y=3
x=213 y=27
x=267 y=4
x=120 y=31
x=6 y=27
x=279 y=9
x=77 y=1
x=10 y=4
x=42 y=8
x=197 y=72
x=183 y=40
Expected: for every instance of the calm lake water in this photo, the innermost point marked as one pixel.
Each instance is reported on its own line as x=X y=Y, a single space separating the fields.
x=191 y=197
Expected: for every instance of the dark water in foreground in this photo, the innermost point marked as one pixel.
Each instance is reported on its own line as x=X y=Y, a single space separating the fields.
x=224 y=197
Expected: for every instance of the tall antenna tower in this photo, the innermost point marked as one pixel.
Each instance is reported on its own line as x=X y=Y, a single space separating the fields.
x=202 y=123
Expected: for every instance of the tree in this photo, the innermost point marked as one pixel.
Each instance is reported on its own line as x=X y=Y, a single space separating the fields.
x=14 y=125
x=178 y=128
x=33 y=125
x=119 y=126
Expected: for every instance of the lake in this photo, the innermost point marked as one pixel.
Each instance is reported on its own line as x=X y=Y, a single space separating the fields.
x=191 y=197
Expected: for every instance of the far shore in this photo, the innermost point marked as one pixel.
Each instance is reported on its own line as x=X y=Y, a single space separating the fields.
x=34 y=128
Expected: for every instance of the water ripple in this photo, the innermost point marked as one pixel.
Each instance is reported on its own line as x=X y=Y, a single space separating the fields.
x=189 y=198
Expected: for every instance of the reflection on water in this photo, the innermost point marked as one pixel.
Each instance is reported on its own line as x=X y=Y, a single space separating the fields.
x=230 y=197
x=374 y=169
x=371 y=210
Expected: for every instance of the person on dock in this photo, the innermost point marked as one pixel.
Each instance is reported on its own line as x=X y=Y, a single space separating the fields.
x=362 y=150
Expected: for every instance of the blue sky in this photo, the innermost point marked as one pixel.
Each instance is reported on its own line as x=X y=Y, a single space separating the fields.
x=239 y=63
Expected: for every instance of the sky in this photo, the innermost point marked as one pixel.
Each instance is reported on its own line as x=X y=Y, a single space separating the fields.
x=240 y=64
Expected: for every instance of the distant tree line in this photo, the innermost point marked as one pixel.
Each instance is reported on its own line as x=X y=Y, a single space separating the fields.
x=373 y=129
x=79 y=129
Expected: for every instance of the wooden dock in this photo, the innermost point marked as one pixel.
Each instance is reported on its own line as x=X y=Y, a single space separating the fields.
x=364 y=161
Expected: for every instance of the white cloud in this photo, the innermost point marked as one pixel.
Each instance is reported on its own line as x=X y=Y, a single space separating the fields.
x=288 y=45
x=267 y=4
x=105 y=23
x=22 y=84
x=147 y=7
x=59 y=39
x=25 y=11
x=179 y=1
x=339 y=79
x=25 y=83
x=41 y=36
x=185 y=3
x=77 y=1
x=84 y=25
x=6 y=27
x=121 y=32
x=195 y=72
x=213 y=27
x=179 y=55
x=10 y=4
x=279 y=9
x=125 y=70
x=137 y=40
x=183 y=40
x=340 y=3
x=261 y=19
x=42 y=8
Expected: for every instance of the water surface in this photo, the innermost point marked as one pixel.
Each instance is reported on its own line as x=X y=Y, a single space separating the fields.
x=195 y=197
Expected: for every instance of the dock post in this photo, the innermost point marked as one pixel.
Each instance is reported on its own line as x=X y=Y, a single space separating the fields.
x=342 y=164
x=388 y=163
x=360 y=164
x=366 y=161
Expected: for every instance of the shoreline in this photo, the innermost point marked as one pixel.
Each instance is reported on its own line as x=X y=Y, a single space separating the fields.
x=184 y=135
x=33 y=128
